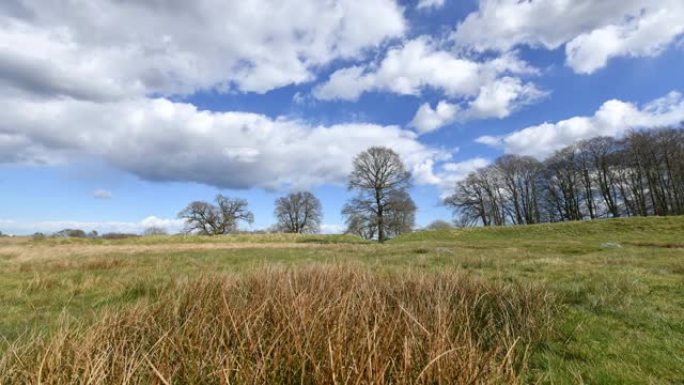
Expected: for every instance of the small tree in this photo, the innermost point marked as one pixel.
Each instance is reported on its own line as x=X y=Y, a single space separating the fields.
x=70 y=233
x=380 y=180
x=298 y=212
x=155 y=230
x=439 y=224
x=222 y=218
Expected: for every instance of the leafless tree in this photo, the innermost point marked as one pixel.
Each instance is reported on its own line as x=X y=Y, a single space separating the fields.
x=520 y=179
x=155 y=230
x=641 y=174
x=380 y=180
x=298 y=212
x=400 y=214
x=439 y=224
x=222 y=218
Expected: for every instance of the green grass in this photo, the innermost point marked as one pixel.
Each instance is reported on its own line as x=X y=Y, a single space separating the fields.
x=621 y=309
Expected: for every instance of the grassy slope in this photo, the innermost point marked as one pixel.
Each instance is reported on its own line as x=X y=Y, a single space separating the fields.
x=622 y=309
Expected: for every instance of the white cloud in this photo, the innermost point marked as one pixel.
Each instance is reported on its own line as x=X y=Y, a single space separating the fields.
x=647 y=35
x=487 y=89
x=418 y=64
x=594 y=31
x=48 y=227
x=102 y=194
x=613 y=118
x=430 y=4
x=104 y=50
x=332 y=228
x=157 y=139
x=452 y=172
x=500 y=98
x=428 y=119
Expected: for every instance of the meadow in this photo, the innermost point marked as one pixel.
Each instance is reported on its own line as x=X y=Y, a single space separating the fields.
x=598 y=302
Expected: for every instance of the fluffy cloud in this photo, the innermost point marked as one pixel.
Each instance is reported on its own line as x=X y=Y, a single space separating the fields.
x=18 y=227
x=613 y=118
x=452 y=172
x=158 y=139
x=104 y=50
x=428 y=119
x=647 y=35
x=418 y=64
x=594 y=31
x=498 y=99
x=430 y=4
x=486 y=88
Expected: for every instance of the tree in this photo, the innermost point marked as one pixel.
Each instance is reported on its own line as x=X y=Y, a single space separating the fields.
x=520 y=176
x=640 y=174
x=380 y=180
x=399 y=215
x=298 y=212
x=70 y=233
x=439 y=224
x=155 y=230
x=222 y=218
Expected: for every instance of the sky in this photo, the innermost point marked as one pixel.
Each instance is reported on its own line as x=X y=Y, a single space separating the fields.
x=115 y=114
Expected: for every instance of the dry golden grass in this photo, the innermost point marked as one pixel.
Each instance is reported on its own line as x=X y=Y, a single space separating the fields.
x=37 y=252
x=326 y=324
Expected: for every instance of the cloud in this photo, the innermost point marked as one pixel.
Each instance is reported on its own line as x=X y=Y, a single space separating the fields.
x=501 y=98
x=647 y=35
x=614 y=118
x=428 y=119
x=418 y=64
x=498 y=99
x=430 y=4
x=102 y=194
x=327 y=228
x=179 y=47
x=490 y=88
x=161 y=140
x=594 y=31
x=48 y=227
x=452 y=172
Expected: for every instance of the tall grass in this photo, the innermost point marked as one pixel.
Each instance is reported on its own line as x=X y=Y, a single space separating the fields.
x=314 y=325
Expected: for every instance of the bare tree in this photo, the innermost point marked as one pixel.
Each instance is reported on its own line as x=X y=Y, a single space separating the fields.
x=222 y=218
x=399 y=216
x=378 y=177
x=439 y=224
x=400 y=213
x=642 y=174
x=298 y=212
x=155 y=230
x=520 y=177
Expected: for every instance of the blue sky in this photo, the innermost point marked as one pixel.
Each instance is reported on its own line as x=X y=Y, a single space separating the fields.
x=115 y=115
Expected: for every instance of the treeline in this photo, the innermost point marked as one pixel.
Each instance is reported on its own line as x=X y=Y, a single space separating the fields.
x=639 y=175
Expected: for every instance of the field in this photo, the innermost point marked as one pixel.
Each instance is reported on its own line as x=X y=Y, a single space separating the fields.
x=572 y=303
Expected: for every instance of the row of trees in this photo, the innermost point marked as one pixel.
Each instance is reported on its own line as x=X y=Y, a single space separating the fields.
x=298 y=212
x=639 y=175
x=381 y=208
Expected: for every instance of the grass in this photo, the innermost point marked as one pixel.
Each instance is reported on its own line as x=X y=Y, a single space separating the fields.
x=619 y=319
x=317 y=325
